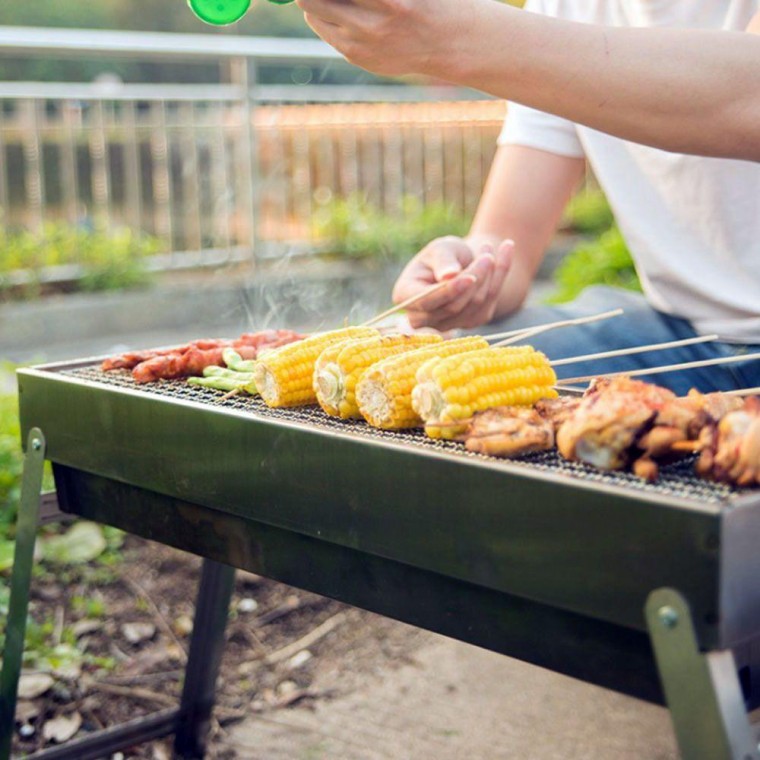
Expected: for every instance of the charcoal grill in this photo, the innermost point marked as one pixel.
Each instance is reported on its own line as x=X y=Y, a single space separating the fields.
x=652 y=590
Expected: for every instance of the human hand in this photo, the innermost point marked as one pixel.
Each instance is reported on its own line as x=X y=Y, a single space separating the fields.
x=390 y=37
x=475 y=271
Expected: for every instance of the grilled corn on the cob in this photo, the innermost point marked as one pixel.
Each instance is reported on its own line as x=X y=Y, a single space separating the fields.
x=284 y=376
x=454 y=388
x=384 y=394
x=341 y=366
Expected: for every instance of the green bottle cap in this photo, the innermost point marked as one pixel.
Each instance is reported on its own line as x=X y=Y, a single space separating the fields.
x=219 y=12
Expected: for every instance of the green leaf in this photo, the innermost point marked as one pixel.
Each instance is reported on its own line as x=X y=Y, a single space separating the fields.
x=604 y=260
x=81 y=543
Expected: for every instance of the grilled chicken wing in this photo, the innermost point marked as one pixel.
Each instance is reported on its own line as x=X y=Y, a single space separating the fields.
x=730 y=448
x=509 y=431
x=609 y=420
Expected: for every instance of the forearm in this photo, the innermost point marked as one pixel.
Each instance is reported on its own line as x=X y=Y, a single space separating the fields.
x=683 y=90
x=523 y=200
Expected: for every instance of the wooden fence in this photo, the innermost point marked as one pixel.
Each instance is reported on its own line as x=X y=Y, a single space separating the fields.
x=200 y=175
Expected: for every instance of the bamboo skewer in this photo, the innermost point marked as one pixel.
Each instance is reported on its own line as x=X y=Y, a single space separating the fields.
x=634 y=350
x=656 y=370
x=569 y=389
x=744 y=392
x=531 y=331
x=548 y=325
x=409 y=301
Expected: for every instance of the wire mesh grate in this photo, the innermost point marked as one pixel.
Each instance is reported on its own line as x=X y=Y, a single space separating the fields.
x=677 y=479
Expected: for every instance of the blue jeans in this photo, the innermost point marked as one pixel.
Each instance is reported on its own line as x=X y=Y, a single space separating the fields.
x=638 y=326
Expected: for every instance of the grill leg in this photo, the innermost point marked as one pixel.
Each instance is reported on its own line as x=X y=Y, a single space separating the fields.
x=206 y=647
x=702 y=689
x=26 y=534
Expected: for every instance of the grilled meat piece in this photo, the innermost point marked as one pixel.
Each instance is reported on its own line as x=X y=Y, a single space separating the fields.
x=192 y=361
x=609 y=420
x=678 y=422
x=692 y=412
x=557 y=410
x=132 y=358
x=509 y=431
x=263 y=338
x=622 y=421
x=730 y=448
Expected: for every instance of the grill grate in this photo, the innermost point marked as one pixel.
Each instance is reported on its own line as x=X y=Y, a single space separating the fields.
x=676 y=480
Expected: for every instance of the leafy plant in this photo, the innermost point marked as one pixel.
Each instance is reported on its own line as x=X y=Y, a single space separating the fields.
x=11 y=464
x=106 y=261
x=357 y=228
x=604 y=260
x=589 y=212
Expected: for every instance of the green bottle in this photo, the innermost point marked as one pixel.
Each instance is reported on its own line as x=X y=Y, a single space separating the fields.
x=222 y=12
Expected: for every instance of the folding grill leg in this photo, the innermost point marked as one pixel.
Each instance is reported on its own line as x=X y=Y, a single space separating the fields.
x=701 y=688
x=26 y=533
x=206 y=647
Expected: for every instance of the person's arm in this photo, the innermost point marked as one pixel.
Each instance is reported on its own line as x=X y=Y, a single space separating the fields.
x=523 y=200
x=692 y=91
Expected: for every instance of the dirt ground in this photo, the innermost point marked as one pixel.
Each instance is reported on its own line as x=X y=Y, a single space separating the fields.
x=144 y=623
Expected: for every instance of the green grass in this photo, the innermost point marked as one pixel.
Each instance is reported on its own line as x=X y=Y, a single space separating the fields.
x=108 y=261
x=356 y=228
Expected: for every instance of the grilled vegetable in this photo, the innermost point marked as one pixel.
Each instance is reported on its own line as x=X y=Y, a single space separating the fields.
x=341 y=366
x=284 y=377
x=238 y=381
x=226 y=378
x=384 y=394
x=236 y=362
x=451 y=389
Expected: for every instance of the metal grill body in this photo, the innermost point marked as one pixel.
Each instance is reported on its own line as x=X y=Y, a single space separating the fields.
x=503 y=554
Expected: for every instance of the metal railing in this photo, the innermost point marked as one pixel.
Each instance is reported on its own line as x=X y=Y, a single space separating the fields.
x=237 y=165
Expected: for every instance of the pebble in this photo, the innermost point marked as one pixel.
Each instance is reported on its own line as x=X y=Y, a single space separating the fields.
x=247 y=605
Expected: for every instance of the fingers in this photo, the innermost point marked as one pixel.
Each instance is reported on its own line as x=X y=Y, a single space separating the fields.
x=459 y=289
x=323 y=29
x=474 y=297
x=448 y=257
x=442 y=259
x=464 y=301
x=475 y=280
x=331 y=12
x=503 y=262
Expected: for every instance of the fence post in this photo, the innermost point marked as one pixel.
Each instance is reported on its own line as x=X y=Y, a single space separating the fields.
x=245 y=75
x=33 y=174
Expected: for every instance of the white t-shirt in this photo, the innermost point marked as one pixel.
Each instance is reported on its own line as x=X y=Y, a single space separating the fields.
x=692 y=223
